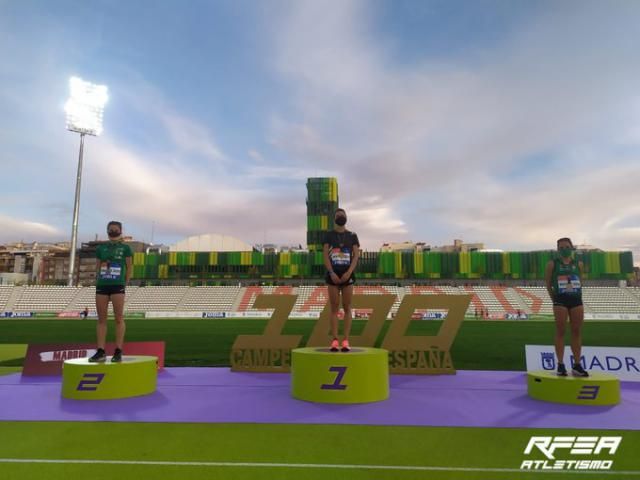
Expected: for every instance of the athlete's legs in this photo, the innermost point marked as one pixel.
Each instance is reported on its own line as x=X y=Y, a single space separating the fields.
x=347 y=294
x=334 y=301
x=576 y=320
x=118 y=311
x=102 y=307
x=561 y=314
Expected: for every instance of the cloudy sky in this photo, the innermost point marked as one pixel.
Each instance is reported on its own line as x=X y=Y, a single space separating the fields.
x=508 y=122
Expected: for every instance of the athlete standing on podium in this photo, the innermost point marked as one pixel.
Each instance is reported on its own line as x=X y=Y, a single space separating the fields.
x=113 y=274
x=563 y=277
x=341 y=252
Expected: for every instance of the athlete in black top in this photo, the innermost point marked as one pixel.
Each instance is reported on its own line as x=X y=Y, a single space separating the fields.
x=341 y=252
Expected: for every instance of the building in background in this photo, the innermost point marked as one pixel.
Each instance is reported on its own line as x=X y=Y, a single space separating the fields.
x=322 y=202
x=54 y=267
x=405 y=247
x=212 y=259
x=211 y=242
x=24 y=260
x=459 y=247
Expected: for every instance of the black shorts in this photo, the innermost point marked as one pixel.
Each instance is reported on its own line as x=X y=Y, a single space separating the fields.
x=328 y=280
x=567 y=301
x=109 y=290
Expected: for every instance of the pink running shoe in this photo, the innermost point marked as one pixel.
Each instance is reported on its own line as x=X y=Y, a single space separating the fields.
x=345 y=345
x=335 y=346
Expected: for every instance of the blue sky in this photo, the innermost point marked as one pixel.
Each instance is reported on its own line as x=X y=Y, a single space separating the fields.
x=505 y=122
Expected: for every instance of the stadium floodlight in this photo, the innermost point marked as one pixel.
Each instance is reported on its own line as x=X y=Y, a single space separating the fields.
x=85 y=106
x=84 y=115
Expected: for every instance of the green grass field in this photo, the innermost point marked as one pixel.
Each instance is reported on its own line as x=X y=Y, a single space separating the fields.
x=480 y=345
x=61 y=450
x=246 y=451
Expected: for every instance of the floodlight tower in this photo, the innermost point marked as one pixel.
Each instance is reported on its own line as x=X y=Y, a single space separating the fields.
x=84 y=115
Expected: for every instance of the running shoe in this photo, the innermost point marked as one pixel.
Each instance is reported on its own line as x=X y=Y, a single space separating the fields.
x=99 y=356
x=117 y=356
x=562 y=370
x=578 y=371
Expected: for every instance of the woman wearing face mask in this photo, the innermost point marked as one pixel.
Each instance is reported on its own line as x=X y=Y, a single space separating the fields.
x=341 y=252
x=563 y=278
x=113 y=274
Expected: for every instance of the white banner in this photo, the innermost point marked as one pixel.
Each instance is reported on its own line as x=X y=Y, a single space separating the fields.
x=254 y=314
x=17 y=314
x=612 y=316
x=304 y=315
x=61 y=355
x=248 y=314
x=623 y=362
x=261 y=314
x=173 y=314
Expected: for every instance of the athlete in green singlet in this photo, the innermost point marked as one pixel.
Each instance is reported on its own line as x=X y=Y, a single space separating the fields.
x=563 y=277
x=113 y=274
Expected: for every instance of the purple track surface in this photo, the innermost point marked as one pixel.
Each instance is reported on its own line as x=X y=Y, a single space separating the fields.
x=217 y=395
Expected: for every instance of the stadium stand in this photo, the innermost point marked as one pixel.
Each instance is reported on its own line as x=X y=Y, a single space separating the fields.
x=5 y=292
x=610 y=299
x=382 y=290
x=248 y=295
x=45 y=298
x=86 y=298
x=536 y=299
x=498 y=300
x=209 y=299
x=311 y=299
x=157 y=299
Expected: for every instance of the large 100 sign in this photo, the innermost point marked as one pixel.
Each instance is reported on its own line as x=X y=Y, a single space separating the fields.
x=414 y=354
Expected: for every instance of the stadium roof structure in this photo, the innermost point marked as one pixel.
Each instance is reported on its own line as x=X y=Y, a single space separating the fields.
x=211 y=242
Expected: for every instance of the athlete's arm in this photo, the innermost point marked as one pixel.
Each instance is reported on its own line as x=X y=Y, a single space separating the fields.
x=581 y=268
x=98 y=262
x=327 y=264
x=325 y=256
x=354 y=263
x=129 y=267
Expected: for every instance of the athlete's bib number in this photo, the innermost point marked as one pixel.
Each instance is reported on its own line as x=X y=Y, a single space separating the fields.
x=340 y=257
x=568 y=284
x=110 y=271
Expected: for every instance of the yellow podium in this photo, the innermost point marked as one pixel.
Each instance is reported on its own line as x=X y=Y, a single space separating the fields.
x=596 y=389
x=133 y=377
x=359 y=376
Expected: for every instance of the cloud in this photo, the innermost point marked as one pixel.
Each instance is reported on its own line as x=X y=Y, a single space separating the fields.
x=17 y=229
x=512 y=143
x=191 y=137
x=139 y=98
x=255 y=155
x=185 y=201
x=579 y=209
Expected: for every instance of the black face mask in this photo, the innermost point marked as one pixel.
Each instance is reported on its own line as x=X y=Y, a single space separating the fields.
x=113 y=233
x=341 y=221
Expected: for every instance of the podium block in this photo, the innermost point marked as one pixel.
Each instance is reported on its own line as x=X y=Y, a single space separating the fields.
x=359 y=376
x=133 y=377
x=596 y=389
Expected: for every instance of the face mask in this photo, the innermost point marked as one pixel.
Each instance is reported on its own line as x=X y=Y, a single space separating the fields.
x=565 y=252
x=341 y=221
